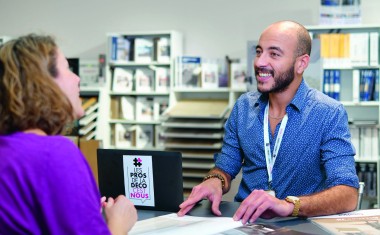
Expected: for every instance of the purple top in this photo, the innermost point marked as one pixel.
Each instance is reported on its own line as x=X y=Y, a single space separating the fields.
x=47 y=187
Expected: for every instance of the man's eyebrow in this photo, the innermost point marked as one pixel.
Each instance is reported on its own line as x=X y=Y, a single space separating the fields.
x=276 y=49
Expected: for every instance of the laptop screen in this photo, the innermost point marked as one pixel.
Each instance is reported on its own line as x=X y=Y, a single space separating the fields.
x=150 y=179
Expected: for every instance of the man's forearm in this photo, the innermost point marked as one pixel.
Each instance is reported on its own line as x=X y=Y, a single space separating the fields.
x=227 y=178
x=334 y=200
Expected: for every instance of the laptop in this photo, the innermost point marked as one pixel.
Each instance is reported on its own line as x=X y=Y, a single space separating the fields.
x=150 y=179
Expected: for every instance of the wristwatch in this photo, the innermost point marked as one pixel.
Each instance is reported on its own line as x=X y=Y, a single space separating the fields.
x=297 y=204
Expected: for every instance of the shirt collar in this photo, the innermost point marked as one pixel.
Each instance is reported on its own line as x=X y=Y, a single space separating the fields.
x=298 y=100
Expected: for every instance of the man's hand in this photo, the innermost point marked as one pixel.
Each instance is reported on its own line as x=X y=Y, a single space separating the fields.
x=260 y=204
x=210 y=189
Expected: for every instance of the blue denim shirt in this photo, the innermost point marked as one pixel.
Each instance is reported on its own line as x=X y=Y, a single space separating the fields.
x=315 y=154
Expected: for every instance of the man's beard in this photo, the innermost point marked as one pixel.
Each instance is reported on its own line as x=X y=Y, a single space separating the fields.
x=281 y=82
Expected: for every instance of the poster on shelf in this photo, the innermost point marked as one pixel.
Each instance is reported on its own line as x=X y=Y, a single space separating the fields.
x=340 y=12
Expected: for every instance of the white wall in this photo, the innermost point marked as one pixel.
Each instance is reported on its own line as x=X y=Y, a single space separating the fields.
x=211 y=28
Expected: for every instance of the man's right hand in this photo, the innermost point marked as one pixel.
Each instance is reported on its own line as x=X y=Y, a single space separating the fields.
x=210 y=189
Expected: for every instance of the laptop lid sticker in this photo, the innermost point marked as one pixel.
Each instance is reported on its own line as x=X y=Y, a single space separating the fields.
x=138 y=179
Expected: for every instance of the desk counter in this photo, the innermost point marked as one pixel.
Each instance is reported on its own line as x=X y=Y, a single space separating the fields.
x=203 y=209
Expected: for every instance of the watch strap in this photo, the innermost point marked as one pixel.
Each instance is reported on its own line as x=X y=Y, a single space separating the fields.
x=297 y=204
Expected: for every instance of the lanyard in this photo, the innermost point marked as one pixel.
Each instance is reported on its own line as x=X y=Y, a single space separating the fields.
x=270 y=159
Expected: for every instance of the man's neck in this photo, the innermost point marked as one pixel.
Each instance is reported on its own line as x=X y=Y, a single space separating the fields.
x=280 y=100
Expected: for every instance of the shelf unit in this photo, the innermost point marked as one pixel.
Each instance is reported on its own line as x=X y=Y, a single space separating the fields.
x=196 y=129
x=136 y=109
x=363 y=115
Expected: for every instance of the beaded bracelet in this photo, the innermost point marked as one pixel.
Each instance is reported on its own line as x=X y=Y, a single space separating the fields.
x=219 y=176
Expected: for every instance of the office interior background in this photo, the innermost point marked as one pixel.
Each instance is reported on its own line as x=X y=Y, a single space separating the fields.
x=210 y=28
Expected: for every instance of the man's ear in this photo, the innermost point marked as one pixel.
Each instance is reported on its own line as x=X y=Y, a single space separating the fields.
x=301 y=63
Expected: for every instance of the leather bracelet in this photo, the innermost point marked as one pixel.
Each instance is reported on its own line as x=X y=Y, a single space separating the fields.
x=218 y=176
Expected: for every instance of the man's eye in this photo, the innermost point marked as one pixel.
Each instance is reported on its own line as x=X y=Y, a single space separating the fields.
x=273 y=54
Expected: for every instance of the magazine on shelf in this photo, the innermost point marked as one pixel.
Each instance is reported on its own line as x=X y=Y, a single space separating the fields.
x=144 y=108
x=120 y=48
x=122 y=80
x=161 y=104
x=210 y=74
x=144 y=80
x=89 y=73
x=163 y=50
x=189 y=71
x=125 y=135
x=238 y=75
x=143 y=50
x=128 y=104
x=162 y=78
x=144 y=136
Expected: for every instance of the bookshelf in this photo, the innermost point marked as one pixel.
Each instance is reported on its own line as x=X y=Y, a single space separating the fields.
x=139 y=80
x=345 y=65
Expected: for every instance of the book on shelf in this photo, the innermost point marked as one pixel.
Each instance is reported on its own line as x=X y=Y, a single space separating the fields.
x=210 y=74
x=144 y=108
x=336 y=84
x=359 y=49
x=143 y=52
x=87 y=103
x=355 y=139
x=120 y=48
x=115 y=109
x=331 y=83
x=163 y=50
x=162 y=79
x=144 y=78
x=365 y=140
x=128 y=104
x=367 y=86
x=125 y=135
x=189 y=71
x=88 y=118
x=356 y=85
x=376 y=92
x=122 y=80
x=87 y=128
x=374 y=48
x=238 y=75
x=161 y=104
x=144 y=136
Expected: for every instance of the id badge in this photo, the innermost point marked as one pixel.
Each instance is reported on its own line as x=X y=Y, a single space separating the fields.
x=271 y=192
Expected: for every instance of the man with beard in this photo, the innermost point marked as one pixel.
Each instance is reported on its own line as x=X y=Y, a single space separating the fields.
x=292 y=142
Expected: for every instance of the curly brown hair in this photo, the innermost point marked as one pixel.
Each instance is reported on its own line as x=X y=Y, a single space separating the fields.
x=29 y=98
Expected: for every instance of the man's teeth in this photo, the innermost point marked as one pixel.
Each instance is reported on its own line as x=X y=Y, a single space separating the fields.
x=264 y=74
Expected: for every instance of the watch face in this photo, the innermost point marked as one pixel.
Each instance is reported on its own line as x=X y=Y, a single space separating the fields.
x=293 y=198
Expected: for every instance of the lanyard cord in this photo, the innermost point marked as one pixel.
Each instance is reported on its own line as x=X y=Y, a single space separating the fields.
x=270 y=159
